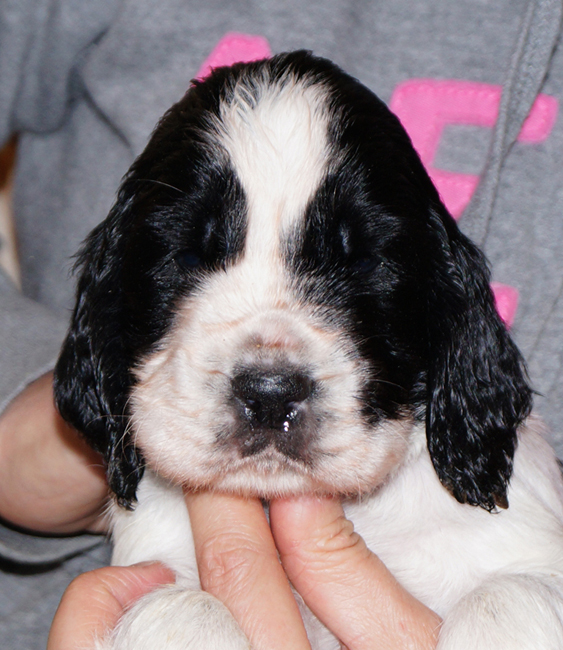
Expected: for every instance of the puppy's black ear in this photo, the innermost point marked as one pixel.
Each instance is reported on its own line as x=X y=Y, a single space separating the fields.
x=92 y=376
x=478 y=392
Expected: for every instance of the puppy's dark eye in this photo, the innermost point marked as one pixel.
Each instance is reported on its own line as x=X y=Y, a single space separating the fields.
x=366 y=264
x=188 y=260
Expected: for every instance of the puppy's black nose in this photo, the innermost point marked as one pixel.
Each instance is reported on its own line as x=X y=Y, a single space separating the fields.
x=271 y=399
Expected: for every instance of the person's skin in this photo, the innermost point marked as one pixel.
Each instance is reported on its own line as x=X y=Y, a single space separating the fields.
x=93 y=603
x=53 y=483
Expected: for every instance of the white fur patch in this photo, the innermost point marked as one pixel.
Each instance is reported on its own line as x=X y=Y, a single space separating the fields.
x=277 y=144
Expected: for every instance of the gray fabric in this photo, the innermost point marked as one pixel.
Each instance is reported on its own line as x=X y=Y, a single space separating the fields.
x=40 y=337
x=529 y=66
x=21 y=548
x=29 y=598
x=83 y=83
x=42 y=44
x=540 y=320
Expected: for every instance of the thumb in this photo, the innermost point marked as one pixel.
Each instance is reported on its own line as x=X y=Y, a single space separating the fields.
x=94 y=602
x=346 y=585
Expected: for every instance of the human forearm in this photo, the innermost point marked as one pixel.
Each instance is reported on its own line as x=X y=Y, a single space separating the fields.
x=52 y=482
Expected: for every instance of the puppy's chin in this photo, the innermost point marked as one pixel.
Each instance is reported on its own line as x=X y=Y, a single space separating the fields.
x=271 y=474
x=267 y=475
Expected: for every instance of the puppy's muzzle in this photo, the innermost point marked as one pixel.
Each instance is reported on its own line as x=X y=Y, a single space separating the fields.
x=272 y=406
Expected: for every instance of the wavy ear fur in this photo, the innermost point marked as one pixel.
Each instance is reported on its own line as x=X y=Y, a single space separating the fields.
x=92 y=377
x=478 y=392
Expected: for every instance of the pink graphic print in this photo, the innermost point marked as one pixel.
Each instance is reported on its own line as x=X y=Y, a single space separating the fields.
x=426 y=106
x=235 y=48
x=506 y=301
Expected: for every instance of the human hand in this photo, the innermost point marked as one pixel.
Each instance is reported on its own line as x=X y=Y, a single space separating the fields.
x=51 y=480
x=343 y=583
x=348 y=588
x=93 y=603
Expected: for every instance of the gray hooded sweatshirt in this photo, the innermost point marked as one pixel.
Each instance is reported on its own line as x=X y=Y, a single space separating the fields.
x=478 y=85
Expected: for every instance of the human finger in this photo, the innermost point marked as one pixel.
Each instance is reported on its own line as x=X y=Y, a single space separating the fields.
x=346 y=585
x=94 y=601
x=238 y=563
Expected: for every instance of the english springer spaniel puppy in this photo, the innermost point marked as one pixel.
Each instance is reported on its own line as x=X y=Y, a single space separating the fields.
x=279 y=303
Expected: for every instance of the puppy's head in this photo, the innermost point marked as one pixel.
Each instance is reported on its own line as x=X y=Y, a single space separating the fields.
x=279 y=295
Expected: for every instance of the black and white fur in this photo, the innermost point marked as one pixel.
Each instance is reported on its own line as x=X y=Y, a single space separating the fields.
x=280 y=303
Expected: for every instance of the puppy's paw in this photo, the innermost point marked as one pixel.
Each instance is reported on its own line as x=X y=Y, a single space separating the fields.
x=508 y=612
x=174 y=618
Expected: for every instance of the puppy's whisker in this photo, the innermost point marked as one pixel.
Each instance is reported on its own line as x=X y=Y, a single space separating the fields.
x=386 y=382
x=156 y=182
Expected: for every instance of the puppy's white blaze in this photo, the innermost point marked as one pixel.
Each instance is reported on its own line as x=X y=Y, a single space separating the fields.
x=277 y=142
